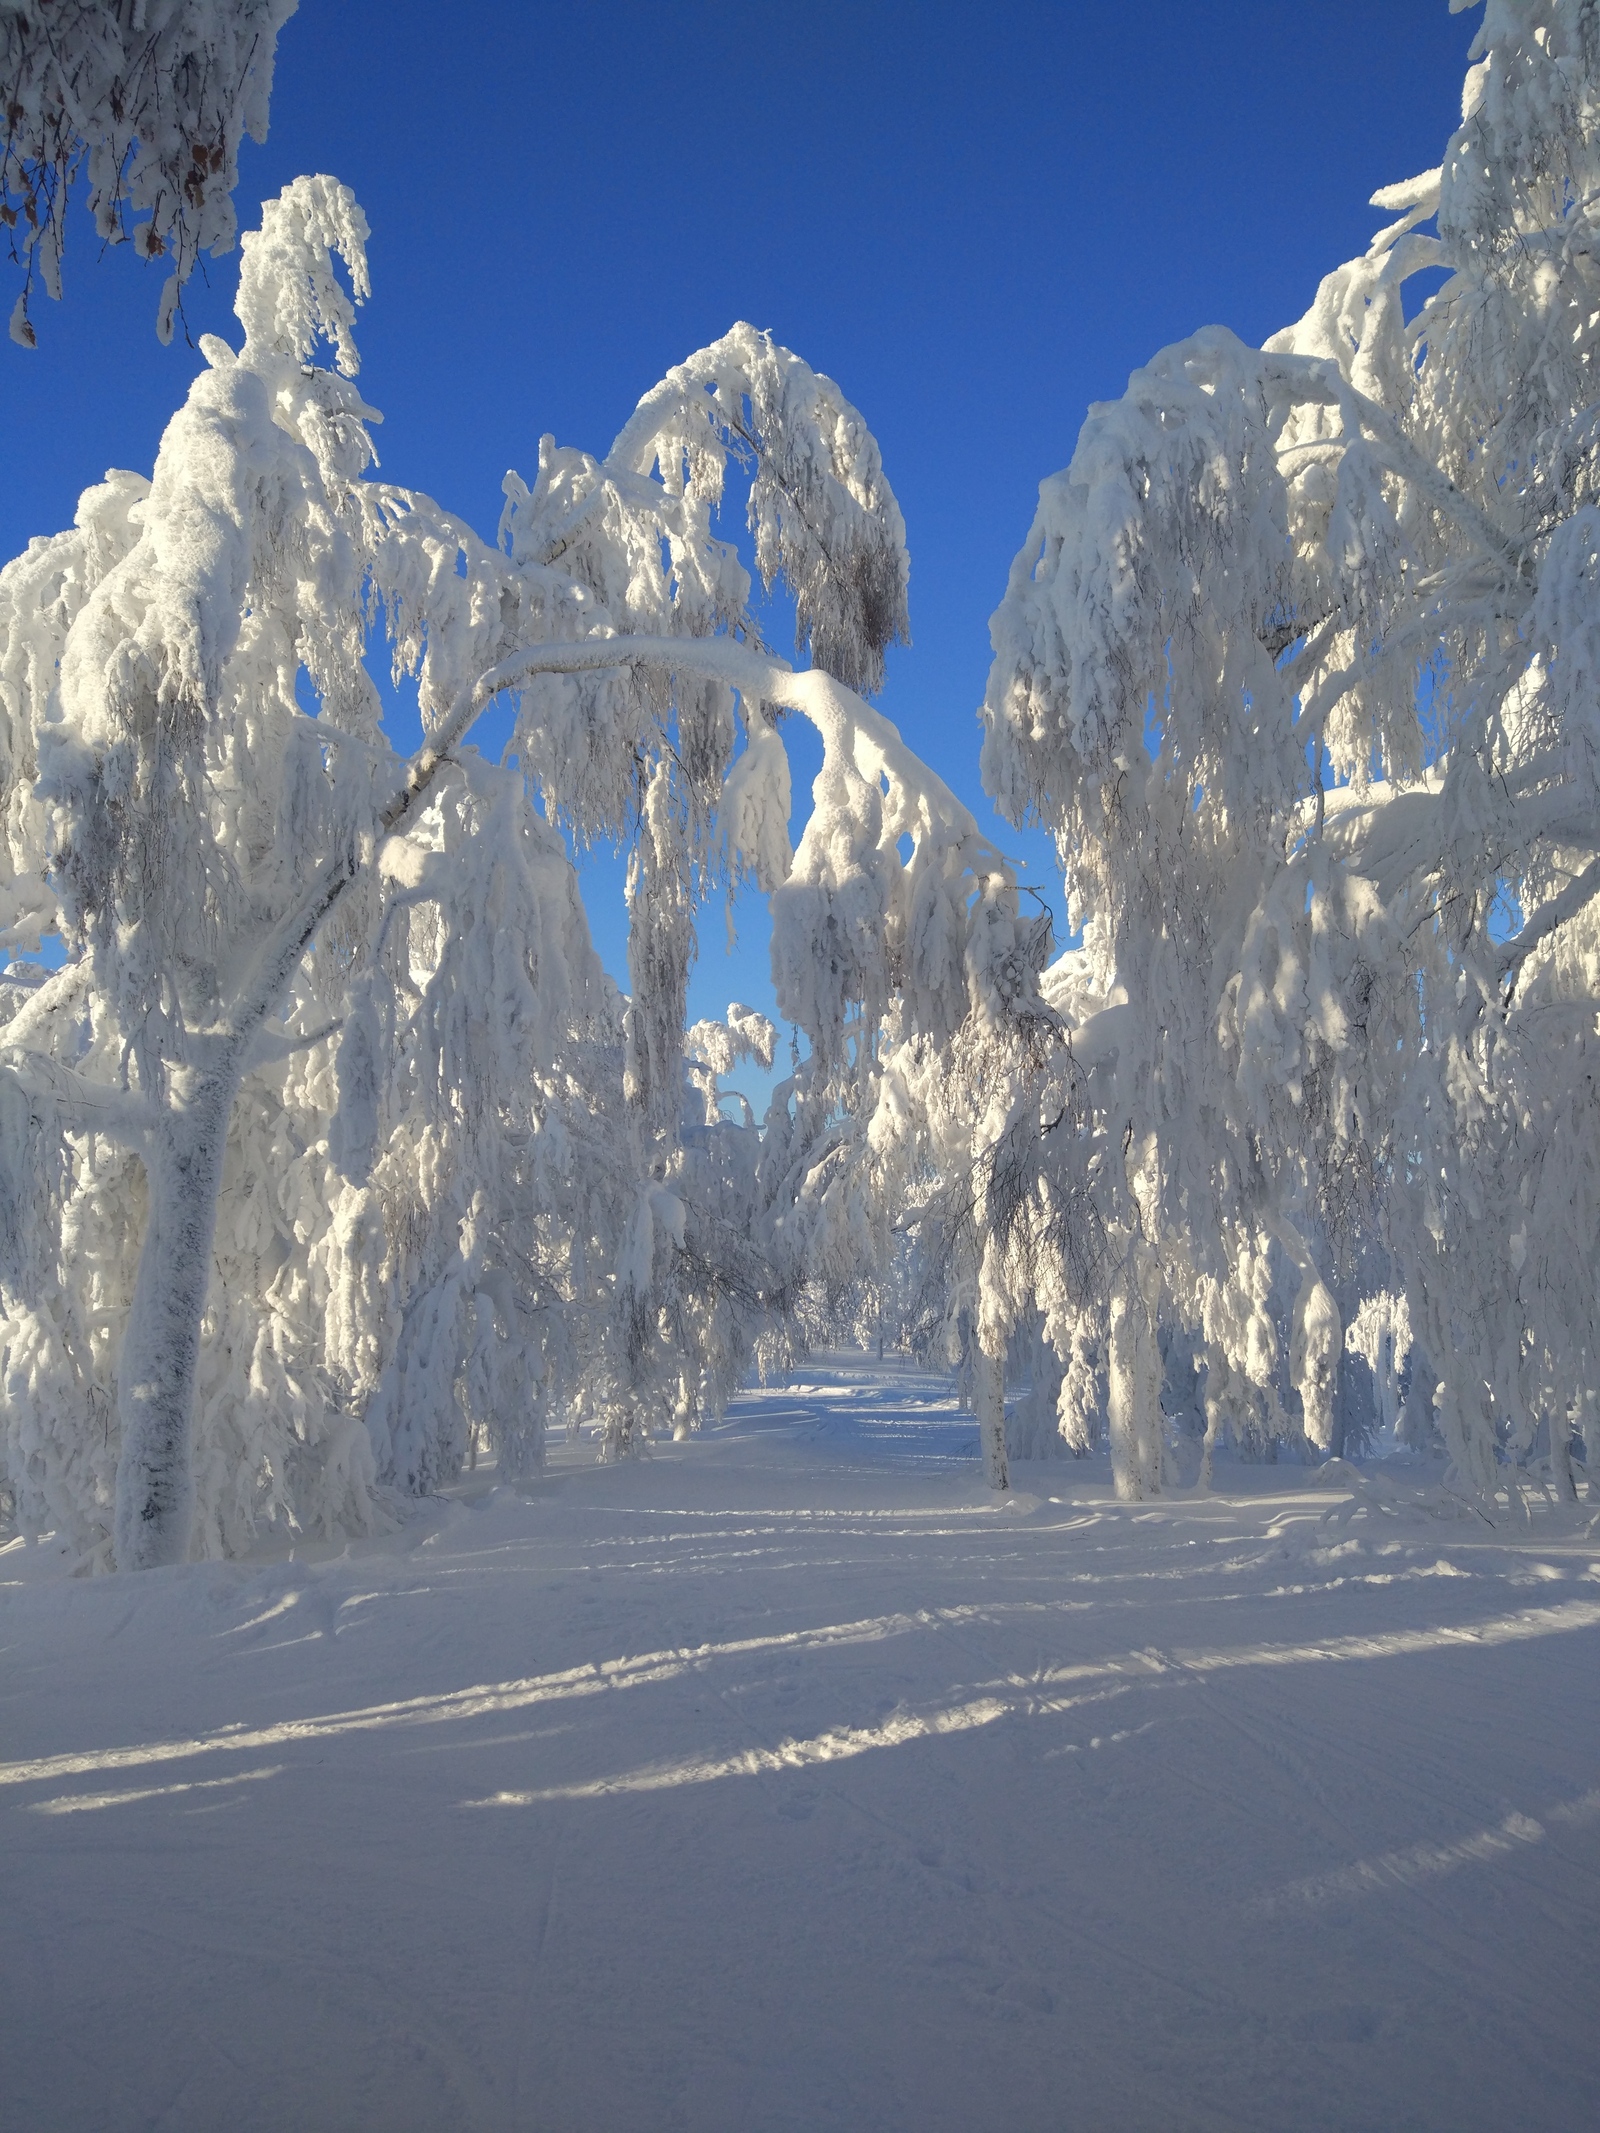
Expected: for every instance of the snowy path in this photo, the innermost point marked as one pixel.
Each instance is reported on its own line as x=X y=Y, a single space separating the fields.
x=783 y=1782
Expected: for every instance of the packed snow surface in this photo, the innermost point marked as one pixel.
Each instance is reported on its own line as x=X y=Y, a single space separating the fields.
x=787 y=1779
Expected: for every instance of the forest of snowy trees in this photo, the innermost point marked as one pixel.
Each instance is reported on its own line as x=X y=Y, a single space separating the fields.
x=331 y=1158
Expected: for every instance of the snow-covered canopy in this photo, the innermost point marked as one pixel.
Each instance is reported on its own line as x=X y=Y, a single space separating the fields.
x=330 y=1152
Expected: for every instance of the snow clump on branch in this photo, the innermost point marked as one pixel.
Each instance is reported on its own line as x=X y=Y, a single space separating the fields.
x=154 y=96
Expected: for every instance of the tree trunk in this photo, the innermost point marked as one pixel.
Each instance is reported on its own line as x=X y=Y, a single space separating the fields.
x=1219 y=1412
x=1134 y=1405
x=1468 y=1434
x=989 y=1405
x=1559 y=1423
x=161 y=1347
x=1388 y=1387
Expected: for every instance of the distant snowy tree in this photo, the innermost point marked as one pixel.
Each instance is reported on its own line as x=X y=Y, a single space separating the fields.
x=1380 y=1333
x=1298 y=665
x=152 y=98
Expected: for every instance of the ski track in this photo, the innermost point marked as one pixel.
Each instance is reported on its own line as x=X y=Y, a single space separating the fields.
x=785 y=1781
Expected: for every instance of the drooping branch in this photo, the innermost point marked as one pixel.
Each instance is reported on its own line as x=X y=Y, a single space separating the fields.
x=1514 y=954
x=153 y=101
x=1311 y=379
x=57 y=993
x=846 y=722
x=93 y=1106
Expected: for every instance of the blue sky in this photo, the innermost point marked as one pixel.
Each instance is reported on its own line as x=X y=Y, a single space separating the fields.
x=977 y=218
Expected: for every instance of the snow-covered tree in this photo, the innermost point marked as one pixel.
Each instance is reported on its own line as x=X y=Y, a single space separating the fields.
x=330 y=1120
x=1380 y=1333
x=1298 y=665
x=150 y=99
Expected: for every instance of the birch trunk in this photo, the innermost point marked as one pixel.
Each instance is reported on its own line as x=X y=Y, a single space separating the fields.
x=1134 y=1404
x=161 y=1347
x=1559 y=1423
x=989 y=1405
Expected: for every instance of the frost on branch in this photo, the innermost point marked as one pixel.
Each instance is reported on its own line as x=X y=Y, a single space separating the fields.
x=824 y=518
x=178 y=725
x=149 y=100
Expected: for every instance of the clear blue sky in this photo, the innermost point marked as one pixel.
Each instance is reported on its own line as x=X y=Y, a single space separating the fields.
x=977 y=218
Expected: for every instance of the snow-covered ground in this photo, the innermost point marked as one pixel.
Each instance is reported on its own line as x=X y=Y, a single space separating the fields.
x=784 y=1781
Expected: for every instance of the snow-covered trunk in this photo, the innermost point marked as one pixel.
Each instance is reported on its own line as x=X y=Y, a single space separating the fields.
x=1468 y=1434
x=1133 y=1408
x=1221 y=1413
x=1316 y=1341
x=1588 y=1417
x=160 y=1349
x=1559 y=1422
x=1388 y=1382
x=989 y=1405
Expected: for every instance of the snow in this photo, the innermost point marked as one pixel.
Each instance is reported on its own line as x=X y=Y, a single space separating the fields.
x=788 y=1779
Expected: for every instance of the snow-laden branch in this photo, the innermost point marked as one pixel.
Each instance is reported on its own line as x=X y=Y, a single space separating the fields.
x=847 y=724
x=62 y=990
x=155 y=98
x=1312 y=382
x=76 y=1099
x=845 y=720
x=1514 y=953
x=273 y=1047
x=823 y=514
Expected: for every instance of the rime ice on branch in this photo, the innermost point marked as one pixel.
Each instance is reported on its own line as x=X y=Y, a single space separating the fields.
x=151 y=98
